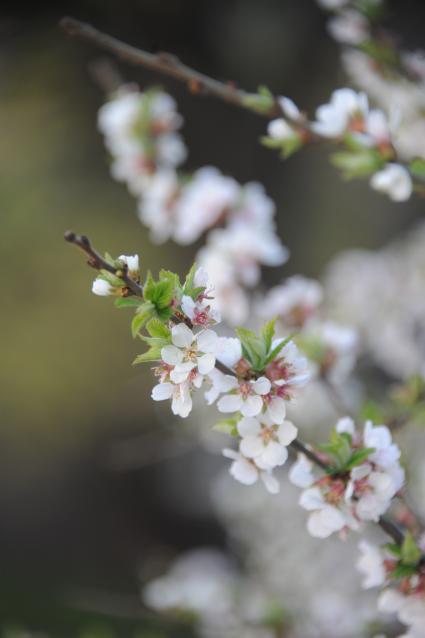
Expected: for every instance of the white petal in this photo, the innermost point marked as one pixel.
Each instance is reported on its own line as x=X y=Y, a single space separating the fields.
x=182 y=336
x=276 y=410
x=286 y=433
x=188 y=306
x=300 y=473
x=207 y=341
x=262 y=385
x=311 y=499
x=324 y=522
x=162 y=391
x=249 y=426
x=229 y=403
x=171 y=355
x=274 y=454
x=271 y=483
x=251 y=406
x=206 y=363
x=251 y=446
x=346 y=424
x=181 y=404
x=244 y=471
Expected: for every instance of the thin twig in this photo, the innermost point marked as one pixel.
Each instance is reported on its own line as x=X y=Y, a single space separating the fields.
x=97 y=262
x=165 y=63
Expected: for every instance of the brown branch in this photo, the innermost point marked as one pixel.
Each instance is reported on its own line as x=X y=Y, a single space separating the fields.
x=97 y=262
x=165 y=63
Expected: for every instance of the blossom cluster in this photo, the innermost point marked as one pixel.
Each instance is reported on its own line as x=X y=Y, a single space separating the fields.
x=365 y=476
x=401 y=571
x=141 y=133
x=331 y=347
x=365 y=134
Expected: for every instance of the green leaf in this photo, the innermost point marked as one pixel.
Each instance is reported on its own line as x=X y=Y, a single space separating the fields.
x=253 y=348
x=160 y=293
x=358 y=457
x=128 y=302
x=417 y=167
x=393 y=549
x=153 y=354
x=267 y=334
x=339 y=448
x=410 y=552
x=156 y=328
x=403 y=571
x=144 y=312
x=227 y=426
x=277 y=349
x=261 y=102
x=357 y=164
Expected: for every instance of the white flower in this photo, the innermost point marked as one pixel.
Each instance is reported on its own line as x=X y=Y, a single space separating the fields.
x=200 y=311
x=246 y=471
x=207 y=197
x=190 y=353
x=265 y=442
x=395 y=181
x=371 y=565
x=156 y=206
x=325 y=518
x=369 y=492
x=301 y=473
x=289 y=108
x=386 y=452
x=346 y=106
x=349 y=27
x=102 y=288
x=294 y=301
x=132 y=263
x=279 y=129
x=246 y=397
x=410 y=610
x=378 y=127
x=181 y=404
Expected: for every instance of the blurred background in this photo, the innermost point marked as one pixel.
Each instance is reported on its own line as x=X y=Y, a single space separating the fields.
x=95 y=492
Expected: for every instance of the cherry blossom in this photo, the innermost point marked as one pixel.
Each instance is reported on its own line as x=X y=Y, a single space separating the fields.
x=247 y=472
x=395 y=181
x=102 y=288
x=371 y=565
x=346 y=110
x=189 y=352
x=181 y=404
x=265 y=442
x=245 y=397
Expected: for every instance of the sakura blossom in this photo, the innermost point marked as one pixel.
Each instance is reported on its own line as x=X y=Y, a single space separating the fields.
x=409 y=608
x=295 y=301
x=265 y=442
x=132 y=263
x=181 y=404
x=395 y=181
x=247 y=472
x=189 y=352
x=371 y=565
x=349 y=27
x=245 y=397
x=345 y=111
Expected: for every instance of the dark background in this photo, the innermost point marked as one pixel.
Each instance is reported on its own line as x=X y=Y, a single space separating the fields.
x=87 y=506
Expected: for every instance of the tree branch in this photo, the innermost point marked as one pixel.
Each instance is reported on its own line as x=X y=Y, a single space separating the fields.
x=165 y=63
x=97 y=262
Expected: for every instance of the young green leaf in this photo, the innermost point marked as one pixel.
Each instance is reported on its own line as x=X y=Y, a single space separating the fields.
x=128 y=302
x=410 y=552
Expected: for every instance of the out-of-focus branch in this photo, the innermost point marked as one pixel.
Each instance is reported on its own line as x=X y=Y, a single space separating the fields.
x=165 y=63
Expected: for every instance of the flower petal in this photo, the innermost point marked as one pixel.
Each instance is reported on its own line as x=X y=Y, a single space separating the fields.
x=244 y=471
x=207 y=341
x=171 y=355
x=162 y=391
x=206 y=363
x=276 y=410
x=229 y=403
x=249 y=426
x=252 y=405
x=274 y=454
x=286 y=433
x=182 y=336
x=251 y=446
x=271 y=483
x=262 y=385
